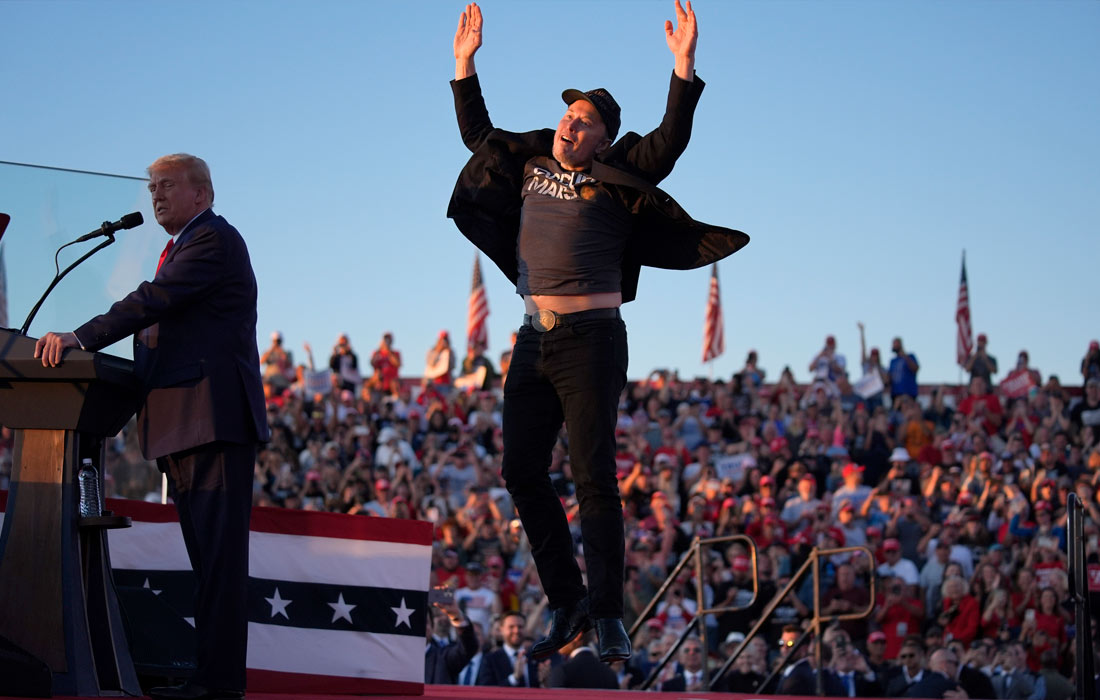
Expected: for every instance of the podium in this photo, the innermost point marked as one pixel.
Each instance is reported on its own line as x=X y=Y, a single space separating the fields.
x=57 y=598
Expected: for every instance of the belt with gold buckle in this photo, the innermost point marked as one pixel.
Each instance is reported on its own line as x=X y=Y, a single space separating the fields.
x=546 y=319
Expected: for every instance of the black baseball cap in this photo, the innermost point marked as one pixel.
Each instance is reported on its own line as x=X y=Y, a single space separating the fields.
x=604 y=103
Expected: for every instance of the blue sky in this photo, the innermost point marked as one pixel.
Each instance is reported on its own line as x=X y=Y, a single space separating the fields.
x=863 y=146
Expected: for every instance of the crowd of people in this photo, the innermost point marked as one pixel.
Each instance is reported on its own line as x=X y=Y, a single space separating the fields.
x=959 y=493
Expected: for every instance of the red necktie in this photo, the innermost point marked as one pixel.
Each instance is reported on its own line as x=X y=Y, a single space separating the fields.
x=164 y=254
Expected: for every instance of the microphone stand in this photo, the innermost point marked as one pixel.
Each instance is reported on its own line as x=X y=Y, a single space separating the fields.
x=59 y=276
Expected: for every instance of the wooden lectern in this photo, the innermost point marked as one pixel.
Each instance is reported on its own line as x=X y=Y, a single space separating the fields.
x=57 y=598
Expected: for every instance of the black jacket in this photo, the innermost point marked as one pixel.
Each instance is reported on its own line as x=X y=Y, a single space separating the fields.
x=442 y=664
x=801 y=679
x=486 y=201
x=583 y=670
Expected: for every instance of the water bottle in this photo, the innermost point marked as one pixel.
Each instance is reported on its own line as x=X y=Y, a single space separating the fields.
x=88 y=479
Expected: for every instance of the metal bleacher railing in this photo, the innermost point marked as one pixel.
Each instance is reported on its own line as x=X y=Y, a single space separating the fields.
x=812 y=566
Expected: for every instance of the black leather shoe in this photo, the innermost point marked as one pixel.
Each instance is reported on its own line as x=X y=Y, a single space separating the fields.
x=565 y=624
x=614 y=643
x=193 y=691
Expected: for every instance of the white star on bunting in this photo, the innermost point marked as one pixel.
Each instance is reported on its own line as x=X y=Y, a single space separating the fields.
x=278 y=605
x=403 y=615
x=146 y=585
x=340 y=609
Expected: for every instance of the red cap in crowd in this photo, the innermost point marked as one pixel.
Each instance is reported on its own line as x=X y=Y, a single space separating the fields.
x=767 y=481
x=874 y=531
x=852 y=468
x=876 y=637
x=837 y=534
x=847 y=506
x=891 y=544
x=1043 y=505
x=767 y=503
x=777 y=444
x=741 y=564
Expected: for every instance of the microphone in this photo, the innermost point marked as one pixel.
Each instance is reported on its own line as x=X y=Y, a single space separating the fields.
x=128 y=221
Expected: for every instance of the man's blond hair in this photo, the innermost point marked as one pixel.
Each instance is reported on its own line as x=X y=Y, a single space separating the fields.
x=196 y=169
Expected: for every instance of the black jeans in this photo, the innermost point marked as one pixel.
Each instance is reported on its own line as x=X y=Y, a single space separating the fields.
x=576 y=373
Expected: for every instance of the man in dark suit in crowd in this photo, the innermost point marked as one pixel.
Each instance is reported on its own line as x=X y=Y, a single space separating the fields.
x=1016 y=681
x=444 y=659
x=508 y=664
x=938 y=681
x=691 y=672
x=800 y=676
x=194 y=328
x=854 y=674
x=910 y=669
x=582 y=667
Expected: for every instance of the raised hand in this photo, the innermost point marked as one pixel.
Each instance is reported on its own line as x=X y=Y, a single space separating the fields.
x=681 y=40
x=467 y=41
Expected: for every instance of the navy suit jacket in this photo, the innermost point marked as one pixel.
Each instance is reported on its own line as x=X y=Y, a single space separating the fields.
x=583 y=670
x=496 y=667
x=802 y=680
x=194 y=328
x=442 y=664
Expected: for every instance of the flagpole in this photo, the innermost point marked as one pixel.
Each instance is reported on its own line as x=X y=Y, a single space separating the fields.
x=958 y=382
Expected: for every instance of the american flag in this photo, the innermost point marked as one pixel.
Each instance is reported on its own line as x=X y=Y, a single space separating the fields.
x=964 y=342
x=714 y=337
x=477 y=334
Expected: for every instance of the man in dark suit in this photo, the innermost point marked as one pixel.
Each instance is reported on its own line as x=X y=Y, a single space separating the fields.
x=508 y=664
x=938 y=681
x=194 y=328
x=1016 y=681
x=691 y=672
x=910 y=669
x=582 y=668
x=444 y=659
x=855 y=676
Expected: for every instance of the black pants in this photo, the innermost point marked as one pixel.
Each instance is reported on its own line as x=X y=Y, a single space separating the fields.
x=574 y=373
x=211 y=486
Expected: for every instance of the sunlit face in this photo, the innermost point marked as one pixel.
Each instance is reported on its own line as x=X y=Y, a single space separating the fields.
x=511 y=630
x=581 y=134
x=175 y=199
